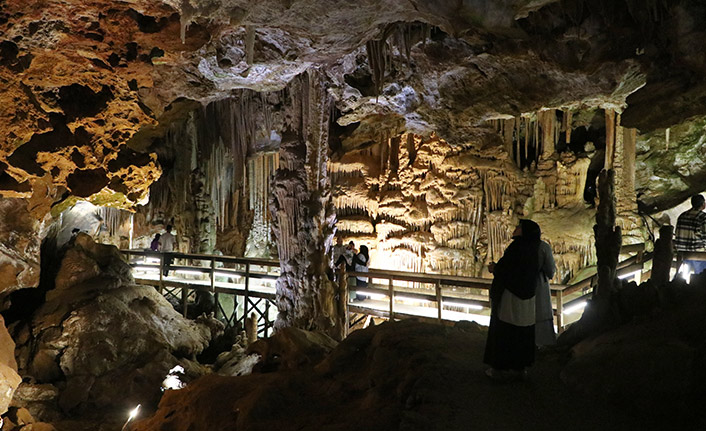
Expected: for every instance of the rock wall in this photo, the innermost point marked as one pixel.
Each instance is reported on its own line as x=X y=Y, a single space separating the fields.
x=103 y=341
x=20 y=233
x=9 y=379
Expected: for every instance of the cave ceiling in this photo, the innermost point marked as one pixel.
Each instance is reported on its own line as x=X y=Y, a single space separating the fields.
x=88 y=84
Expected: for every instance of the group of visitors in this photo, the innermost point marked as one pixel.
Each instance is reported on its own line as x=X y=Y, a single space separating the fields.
x=357 y=261
x=521 y=319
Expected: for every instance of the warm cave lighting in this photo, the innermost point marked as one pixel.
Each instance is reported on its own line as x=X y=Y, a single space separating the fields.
x=463 y=305
x=133 y=415
x=574 y=308
x=629 y=275
x=172 y=380
x=188 y=272
x=685 y=273
x=145 y=268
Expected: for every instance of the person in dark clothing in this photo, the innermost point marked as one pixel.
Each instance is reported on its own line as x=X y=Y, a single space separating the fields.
x=346 y=257
x=154 y=245
x=360 y=263
x=510 y=346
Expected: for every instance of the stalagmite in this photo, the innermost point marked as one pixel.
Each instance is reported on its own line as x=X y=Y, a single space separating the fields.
x=608 y=240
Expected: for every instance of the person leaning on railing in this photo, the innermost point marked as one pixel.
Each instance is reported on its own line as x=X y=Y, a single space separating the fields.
x=690 y=234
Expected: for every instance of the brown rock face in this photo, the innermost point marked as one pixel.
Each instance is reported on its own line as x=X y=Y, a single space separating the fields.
x=9 y=379
x=19 y=246
x=81 y=81
x=103 y=340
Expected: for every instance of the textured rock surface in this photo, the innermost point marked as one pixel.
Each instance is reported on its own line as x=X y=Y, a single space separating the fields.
x=669 y=171
x=660 y=358
x=421 y=204
x=9 y=379
x=303 y=219
x=82 y=81
x=402 y=375
x=19 y=245
x=104 y=341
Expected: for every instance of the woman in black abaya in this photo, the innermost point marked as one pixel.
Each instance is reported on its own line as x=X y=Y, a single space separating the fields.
x=510 y=346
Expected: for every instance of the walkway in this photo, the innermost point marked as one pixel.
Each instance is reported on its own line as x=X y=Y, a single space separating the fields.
x=242 y=286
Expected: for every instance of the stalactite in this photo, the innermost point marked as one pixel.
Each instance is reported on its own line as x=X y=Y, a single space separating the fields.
x=547 y=122
x=377 y=60
x=568 y=120
x=249 y=44
x=113 y=218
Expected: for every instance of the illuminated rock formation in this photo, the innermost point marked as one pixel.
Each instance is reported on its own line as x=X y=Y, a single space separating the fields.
x=103 y=340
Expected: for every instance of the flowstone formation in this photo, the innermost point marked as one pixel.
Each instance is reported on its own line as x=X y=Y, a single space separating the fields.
x=424 y=205
x=99 y=341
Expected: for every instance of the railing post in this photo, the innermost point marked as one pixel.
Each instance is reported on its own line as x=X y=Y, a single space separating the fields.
x=438 y=298
x=343 y=300
x=247 y=289
x=560 y=311
x=392 y=301
x=184 y=299
x=161 y=274
x=213 y=275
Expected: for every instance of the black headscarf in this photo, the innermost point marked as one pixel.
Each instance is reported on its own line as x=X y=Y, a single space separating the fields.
x=518 y=269
x=364 y=252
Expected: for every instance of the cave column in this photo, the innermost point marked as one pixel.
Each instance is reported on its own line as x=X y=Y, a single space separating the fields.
x=620 y=156
x=608 y=241
x=303 y=216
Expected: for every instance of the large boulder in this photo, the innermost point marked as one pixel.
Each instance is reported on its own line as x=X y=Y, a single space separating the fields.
x=105 y=342
x=9 y=379
x=653 y=363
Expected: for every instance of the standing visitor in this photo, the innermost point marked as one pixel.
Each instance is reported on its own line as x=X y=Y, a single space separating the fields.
x=167 y=244
x=361 y=262
x=346 y=257
x=510 y=346
x=690 y=234
x=154 y=245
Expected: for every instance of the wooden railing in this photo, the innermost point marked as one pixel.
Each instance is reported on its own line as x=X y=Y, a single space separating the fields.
x=445 y=292
x=211 y=267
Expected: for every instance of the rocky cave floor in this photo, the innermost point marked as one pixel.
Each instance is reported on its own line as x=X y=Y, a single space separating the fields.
x=418 y=377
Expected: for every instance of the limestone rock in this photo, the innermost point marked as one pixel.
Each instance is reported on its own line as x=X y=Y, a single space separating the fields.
x=9 y=379
x=41 y=400
x=20 y=234
x=20 y=416
x=659 y=358
x=38 y=426
x=107 y=341
x=292 y=348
